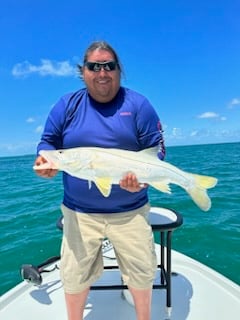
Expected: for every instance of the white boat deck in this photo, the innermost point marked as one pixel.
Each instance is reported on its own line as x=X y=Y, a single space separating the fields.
x=198 y=293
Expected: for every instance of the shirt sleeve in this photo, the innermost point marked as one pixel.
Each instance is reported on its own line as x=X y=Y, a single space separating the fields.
x=150 y=129
x=52 y=134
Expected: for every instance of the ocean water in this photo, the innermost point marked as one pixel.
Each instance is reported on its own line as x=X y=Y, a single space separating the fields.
x=30 y=207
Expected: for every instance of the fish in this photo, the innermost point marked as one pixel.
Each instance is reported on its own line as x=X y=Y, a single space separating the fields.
x=106 y=167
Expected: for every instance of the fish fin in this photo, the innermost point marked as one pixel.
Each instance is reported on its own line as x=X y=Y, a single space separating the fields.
x=200 y=197
x=162 y=186
x=204 y=181
x=198 y=190
x=104 y=185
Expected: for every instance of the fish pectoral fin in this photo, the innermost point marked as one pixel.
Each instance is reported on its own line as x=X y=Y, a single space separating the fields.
x=161 y=186
x=104 y=185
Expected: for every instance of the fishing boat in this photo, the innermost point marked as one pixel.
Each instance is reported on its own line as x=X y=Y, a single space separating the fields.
x=183 y=289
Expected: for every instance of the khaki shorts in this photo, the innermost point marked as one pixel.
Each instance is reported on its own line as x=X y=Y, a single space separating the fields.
x=81 y=253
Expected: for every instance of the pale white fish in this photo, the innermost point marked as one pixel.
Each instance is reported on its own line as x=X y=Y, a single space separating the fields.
x=105 y=167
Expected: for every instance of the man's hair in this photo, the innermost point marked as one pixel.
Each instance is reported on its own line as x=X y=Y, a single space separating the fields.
x=99 y=45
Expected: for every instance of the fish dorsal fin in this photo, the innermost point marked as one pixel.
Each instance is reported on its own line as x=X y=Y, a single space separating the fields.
x=104 y=185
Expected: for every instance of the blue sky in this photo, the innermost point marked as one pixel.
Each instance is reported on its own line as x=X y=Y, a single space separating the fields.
x=184 y=56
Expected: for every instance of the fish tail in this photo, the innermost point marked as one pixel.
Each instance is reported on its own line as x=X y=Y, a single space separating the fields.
x=198 y=191
x=205 y=182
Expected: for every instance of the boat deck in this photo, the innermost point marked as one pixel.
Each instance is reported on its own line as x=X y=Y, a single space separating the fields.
x=197 y=293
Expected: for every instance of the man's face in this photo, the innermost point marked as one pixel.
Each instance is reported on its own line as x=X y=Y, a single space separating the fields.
x=102 y=85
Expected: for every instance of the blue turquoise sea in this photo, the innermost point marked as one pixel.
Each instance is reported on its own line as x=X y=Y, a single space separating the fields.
x=29 y=209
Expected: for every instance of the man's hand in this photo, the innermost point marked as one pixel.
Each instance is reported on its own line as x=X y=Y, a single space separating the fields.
x=130 y=183
x=45 y=173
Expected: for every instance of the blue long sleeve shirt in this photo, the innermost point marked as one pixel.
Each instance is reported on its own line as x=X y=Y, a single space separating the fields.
x=127 y=122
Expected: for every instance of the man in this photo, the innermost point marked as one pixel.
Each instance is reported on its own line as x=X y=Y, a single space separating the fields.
x=104 y=114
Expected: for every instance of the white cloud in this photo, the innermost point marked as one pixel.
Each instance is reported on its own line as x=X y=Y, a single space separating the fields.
x=234 y=102
x=46 y=68
x=39 y=129
x=194 y=133
x=30 y=120
x=12 y=149
x=174 y=134
x=177 y=132
x=207 y=115
x=223 y=118
x=211 y=115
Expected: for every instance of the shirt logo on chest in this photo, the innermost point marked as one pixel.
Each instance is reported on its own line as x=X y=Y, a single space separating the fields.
x=126 y=113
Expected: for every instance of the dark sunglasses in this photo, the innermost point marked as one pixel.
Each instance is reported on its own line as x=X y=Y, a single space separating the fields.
x=97 y=66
